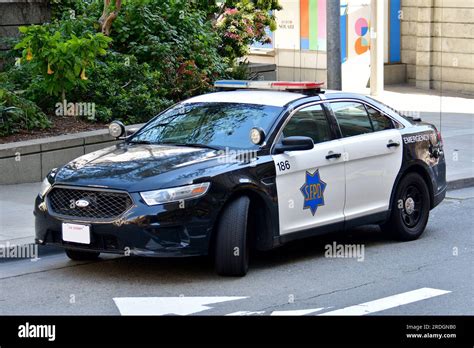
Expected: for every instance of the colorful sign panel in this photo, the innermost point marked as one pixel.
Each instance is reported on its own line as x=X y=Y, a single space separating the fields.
x=287 y=35
x=313 y=24
x=394 y=31
x=356 y=39
x=302 y=25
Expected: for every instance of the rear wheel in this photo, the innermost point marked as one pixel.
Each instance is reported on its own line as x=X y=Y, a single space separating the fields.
x=232 y=247
x=410 y=209
x=79 y=255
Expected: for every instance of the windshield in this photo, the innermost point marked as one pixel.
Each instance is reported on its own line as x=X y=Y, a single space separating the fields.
x=217 y=125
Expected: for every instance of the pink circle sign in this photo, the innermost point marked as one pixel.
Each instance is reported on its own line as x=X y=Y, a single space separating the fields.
x=361 y=26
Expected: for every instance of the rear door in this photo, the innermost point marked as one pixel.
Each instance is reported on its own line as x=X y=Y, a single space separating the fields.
x=310 y=183
x=372 y=154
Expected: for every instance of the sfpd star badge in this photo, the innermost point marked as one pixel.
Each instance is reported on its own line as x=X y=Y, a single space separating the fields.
x=313 y=191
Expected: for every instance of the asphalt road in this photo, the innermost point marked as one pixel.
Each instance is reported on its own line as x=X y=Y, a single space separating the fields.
x=433 y=275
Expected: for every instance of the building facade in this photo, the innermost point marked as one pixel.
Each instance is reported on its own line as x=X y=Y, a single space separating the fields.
x=437 y=38
x=427 y=43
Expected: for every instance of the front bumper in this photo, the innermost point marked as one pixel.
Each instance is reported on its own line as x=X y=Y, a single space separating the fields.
x=163 y=230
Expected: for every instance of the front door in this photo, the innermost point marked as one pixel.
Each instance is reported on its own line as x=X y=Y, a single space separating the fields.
x=310 y=183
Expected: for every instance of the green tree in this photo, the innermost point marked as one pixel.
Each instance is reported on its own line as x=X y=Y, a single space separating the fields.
x=240 y=23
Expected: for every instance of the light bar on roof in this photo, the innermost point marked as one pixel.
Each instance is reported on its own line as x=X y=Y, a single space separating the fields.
x=231 y=84
x=297 y=85
x=275 y=85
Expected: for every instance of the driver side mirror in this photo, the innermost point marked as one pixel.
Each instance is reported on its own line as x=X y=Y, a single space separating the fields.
x=294 y=144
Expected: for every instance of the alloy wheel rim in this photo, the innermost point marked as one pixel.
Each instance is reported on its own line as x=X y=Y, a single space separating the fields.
x=411 y=212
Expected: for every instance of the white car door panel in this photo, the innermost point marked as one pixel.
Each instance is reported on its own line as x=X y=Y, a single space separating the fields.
x=371 y=170
x=311 y=188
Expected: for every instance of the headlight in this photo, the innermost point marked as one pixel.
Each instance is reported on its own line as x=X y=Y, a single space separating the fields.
x=175 y=194
x=45 y=186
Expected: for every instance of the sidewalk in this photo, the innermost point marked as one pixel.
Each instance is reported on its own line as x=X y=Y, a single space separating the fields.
x=456 y=122
x=452 y=114
x=16 y=213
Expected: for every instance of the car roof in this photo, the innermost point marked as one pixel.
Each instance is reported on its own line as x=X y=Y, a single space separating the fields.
x=258 y=97
x=283 y=98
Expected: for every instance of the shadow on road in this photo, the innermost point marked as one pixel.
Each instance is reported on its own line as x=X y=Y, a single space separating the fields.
x=192 y=269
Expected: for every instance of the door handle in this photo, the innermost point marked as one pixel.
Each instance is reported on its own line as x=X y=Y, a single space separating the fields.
x=333 y=155
x=393 y=144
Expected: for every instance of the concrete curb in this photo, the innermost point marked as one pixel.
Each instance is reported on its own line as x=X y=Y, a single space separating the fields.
x=30 y=161
x=44 y=250
x=460 y=183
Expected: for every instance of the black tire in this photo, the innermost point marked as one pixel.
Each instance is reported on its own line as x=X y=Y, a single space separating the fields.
x=410 y=209
x=231 y=247
x=79 y=255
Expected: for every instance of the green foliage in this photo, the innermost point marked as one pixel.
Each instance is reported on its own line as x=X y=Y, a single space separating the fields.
x=158 y=52
x=126 y=90
x=174 y=39
x=63 y=9
x=7 y=57
x=17 y=114
x=243 y=23
x=241 y=71
x=59 y=56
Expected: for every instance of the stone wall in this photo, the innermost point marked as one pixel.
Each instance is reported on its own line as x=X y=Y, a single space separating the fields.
x=438 y=44
x=30 y=161
x=15 y=13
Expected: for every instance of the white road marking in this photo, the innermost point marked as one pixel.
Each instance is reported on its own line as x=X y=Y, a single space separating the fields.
x=190 y=305
x=389 y=302
x=168 y=305
x=243 y=313
x=297 y=312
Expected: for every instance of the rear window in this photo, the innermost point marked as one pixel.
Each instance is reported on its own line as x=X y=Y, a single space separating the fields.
x=352 y=118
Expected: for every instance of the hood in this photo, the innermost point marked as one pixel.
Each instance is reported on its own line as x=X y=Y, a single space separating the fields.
x=134 y=167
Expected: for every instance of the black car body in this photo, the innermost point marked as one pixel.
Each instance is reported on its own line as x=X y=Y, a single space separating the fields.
x=111 y=181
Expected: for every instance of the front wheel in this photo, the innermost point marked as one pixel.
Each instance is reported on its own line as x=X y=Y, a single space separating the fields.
x=232 y=247
x=78 y=255
x=410 y=209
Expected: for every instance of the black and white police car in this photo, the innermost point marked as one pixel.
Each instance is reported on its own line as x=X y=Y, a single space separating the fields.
x=249 y=167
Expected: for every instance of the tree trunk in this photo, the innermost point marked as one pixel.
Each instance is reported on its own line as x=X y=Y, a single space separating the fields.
x=107 y=18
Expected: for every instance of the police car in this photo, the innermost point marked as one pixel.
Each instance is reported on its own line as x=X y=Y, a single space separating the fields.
x=249 y=167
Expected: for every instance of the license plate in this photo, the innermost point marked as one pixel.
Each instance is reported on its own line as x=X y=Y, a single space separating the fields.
x=76 y=233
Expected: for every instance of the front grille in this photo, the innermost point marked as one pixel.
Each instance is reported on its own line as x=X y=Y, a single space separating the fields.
x=102 y=205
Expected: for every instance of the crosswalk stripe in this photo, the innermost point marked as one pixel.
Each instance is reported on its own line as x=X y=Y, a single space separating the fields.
x=168 y=305
x=297 y=312
x=243 y=313
x=190 y=305
x=389 y=302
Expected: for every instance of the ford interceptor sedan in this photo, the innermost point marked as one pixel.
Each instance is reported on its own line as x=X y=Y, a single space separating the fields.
x=249 y=167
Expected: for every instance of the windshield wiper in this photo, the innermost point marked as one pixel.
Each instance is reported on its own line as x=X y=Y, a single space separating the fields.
x=193 y=145
x=145 y=142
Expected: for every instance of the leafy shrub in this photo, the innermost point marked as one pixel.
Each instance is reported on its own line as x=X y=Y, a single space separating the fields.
x=242 y=25
x=174 y=39
x=123 y=89
x=59 y=56
x=17 y=113
x=159 y=52
x=63 y=9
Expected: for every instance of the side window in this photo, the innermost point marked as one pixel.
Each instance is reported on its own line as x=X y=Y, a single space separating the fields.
x=379 y=120
x=309 y=122
x=352 y=118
